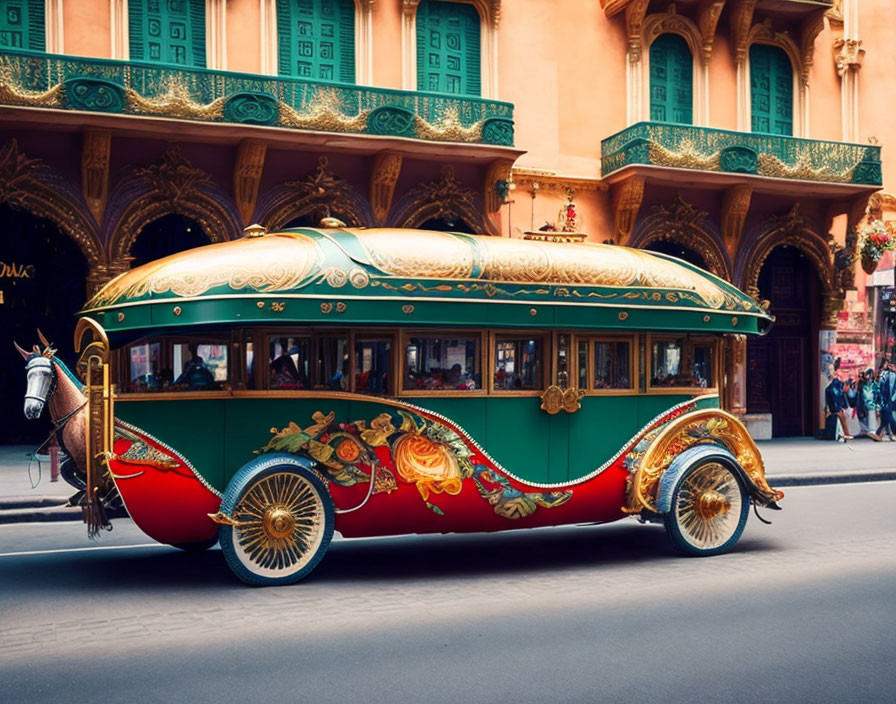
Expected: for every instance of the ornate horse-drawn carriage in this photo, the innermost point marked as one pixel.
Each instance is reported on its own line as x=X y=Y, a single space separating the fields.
x=270 y=390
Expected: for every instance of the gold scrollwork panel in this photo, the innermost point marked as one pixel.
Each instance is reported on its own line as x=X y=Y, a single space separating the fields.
x=697 y=428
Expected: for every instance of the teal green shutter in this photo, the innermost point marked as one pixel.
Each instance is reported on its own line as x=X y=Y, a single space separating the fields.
x=316 y=39
x=671 y=80
x=22 y=25
x=167 y=31
x=448 y=48
x=771 y=90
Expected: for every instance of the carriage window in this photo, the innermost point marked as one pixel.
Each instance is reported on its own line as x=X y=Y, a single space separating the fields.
x=681 y=363
x=701 y=361
x=442 y=364
x=518 y=364
x=197 y=366
x=288 y=363
x=144 y=367
x=332 y=362
x=612 y=364
x=582 y=364
x=373 y=366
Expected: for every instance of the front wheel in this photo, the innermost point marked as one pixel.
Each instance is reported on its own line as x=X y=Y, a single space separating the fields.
x=282 y=522
x=709 y=510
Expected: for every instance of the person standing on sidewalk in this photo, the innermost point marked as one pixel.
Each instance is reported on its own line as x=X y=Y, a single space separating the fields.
x=836 y=404
x=886 y=384
x=865 y=404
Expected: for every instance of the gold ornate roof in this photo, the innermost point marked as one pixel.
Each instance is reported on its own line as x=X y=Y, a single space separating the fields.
x=308 y=259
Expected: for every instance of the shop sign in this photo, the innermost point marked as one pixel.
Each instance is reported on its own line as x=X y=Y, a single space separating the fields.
x=11 y=270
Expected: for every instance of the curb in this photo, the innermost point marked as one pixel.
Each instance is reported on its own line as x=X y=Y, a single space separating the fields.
x=886 y=475
x=41 y=515
x=11 y=502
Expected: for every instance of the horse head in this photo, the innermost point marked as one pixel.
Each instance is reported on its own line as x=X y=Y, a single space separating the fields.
x=40 y=376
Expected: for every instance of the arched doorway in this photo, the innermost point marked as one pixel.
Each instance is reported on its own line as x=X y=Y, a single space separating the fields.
x=676 y=249
x=168 y=235
x=43 y=277
x=782 y=367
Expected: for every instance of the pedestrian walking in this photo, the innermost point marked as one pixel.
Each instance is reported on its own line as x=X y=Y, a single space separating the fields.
x=886 y=384
x=836 y=405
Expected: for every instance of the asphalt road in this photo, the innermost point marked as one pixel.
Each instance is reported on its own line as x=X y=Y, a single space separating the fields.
x=802 y=611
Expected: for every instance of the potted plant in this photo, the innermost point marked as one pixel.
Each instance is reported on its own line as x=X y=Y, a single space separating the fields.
x=875 y=239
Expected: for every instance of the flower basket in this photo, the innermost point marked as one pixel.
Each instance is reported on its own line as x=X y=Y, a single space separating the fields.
x=875 y=238
x=869 y=262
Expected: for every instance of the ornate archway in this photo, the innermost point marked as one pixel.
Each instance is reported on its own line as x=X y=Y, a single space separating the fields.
x=30 y=184
x=173 y=185
x=794 y=230
x=443 y=198
x=682 y=223
x=320 y=194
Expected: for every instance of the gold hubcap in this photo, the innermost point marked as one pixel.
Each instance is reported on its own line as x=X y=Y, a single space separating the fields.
x=278 y=522
x=712 y=503
x=708 y=506
x=281 y=522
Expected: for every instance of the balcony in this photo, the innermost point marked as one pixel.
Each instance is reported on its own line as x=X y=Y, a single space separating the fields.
x=114 y=88
x=685 y=154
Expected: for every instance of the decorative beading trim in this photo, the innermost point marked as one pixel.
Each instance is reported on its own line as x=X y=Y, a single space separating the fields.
x=187 y=463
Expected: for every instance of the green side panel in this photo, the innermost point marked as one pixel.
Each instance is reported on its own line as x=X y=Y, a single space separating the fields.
x=517 y=436
x=771 y=90
x=448 y=48
x=316 y=39
x=167 y=31
x=22 y=25
x=197 y=429
x=559 y=444
x=218 y=436
x=671 y=80
x=599 y=429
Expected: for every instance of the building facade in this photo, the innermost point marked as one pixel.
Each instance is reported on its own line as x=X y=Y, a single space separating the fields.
x=743 y=135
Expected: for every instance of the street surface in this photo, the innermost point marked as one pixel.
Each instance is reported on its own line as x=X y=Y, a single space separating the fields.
x=802 y=611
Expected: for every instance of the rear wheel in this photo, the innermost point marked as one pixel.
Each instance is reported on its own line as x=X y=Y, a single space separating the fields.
x=709 y=510
x=283 y=519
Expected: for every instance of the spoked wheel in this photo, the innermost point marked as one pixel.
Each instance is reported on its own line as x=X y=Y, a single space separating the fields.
x=282 y=523
x=709 y=510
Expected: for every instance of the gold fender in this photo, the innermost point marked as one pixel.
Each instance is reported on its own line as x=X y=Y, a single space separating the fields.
x=699 y=427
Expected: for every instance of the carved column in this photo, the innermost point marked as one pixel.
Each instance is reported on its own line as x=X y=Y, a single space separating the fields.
x=735 y=206
x=831 y=305
x=96 y=148
x=848 y=57
x=741 y=18
x=734 y=396
x=246 y=177
x=383 y=177
x=627 y=198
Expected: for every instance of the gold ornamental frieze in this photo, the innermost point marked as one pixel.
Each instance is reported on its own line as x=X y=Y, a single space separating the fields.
x=428 y=255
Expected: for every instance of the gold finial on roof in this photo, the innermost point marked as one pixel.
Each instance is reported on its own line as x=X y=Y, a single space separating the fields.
x=254 y=230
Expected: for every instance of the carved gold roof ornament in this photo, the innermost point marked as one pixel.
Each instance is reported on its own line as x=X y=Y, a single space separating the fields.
x=173 y=178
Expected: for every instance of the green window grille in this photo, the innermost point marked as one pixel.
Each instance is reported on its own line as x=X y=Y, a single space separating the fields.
x=317 y=39
x=167 y=31
x=771 y=90
x=671 y=80
x=22 y=25
x=448 y=48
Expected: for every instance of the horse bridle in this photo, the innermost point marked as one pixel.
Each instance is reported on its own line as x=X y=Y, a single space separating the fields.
x=43 y=366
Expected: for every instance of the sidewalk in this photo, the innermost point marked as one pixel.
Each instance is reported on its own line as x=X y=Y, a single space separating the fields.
x=788 y=462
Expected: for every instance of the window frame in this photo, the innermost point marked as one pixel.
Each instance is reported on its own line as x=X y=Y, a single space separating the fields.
x=407 y=333
x=633 y=365
x=690 y=340
x=546 y=360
